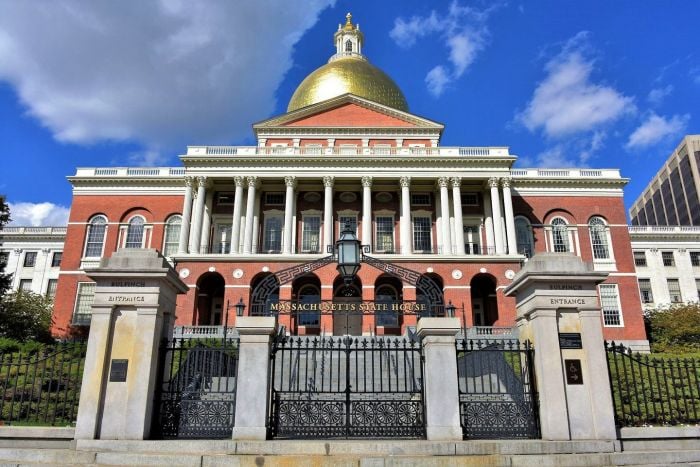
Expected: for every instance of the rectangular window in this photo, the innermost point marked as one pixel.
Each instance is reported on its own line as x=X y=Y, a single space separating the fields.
x=667 y=258
x=640 y=258
x=471 y=240
x=29 y=259
x=695 y=258
x=385 y=234
x=172 y=238
x=311 y=235
x=674 y=290
x=56 y=259
x=134 y=236
x=95 y=239
x=83 y=303
x=470 y=199
x=275 y=199
x=420 y=199
x=25 y=285
x=272 y=240
x=225 y=198
x=610 y=303
x=347 y=220
x=421 y=234
x=51 y=288
x=645 y=291
x=4 y=256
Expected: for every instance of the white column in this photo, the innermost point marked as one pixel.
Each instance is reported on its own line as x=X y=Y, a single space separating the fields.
x=488 y=224
x=198 y=214
x=406 y=246
x=445 y=212
x=367 y=211
x=327 y=213
x=206 y=223
x=510 y=218
x=186 y=218
x=236 y=221
x=256 y=225
x=459 y=223
x=290 y=183
x=496 y=215
x=249 y=214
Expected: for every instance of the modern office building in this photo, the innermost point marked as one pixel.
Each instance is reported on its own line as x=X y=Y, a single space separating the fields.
x=673 y=195
x=448 y=227
x=33 y=256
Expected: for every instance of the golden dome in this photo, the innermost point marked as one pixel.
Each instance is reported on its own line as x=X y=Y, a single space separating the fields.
x=343 y=75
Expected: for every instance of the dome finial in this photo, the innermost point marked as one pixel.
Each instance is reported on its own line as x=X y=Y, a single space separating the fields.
x=348 y=22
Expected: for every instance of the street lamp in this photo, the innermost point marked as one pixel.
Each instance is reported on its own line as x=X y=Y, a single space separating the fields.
x=348 y=247
x=240 y=307
x=450 y=308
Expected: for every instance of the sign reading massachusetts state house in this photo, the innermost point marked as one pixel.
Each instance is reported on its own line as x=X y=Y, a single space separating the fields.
x=357 y=307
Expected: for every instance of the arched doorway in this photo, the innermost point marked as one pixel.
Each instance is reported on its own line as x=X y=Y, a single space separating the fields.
x=484 y=302
x=306 y=294
x=388 y=294
x=269 y=294
x=347 y=315
x=431 y=309
x=210 y=300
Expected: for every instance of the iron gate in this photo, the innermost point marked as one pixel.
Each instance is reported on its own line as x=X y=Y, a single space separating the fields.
x=497 y=398
x=346 y=387
x=196 y=397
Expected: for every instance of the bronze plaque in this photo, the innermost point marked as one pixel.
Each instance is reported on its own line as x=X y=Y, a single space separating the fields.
x=117 y=371
x=573 y=372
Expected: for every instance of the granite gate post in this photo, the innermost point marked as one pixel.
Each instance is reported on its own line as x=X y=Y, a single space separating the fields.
x=134 y=308
x=558 y=311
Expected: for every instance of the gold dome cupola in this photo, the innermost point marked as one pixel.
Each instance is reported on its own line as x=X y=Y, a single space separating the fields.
x=348 y=71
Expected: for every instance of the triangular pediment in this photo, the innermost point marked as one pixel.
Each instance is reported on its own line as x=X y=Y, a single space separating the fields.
x=348 y=111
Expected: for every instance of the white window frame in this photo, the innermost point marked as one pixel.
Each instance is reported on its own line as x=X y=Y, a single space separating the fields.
x=341 y=224
x=530 y=234
x=25 y=256
x=304 y=216
x=476 y=223
x=169 y=223
x=602 y=264
x=422 y=214
x=222 y=234
x=124 y=232
x=48 y=288
x=651 y=291
x=77 y=297
x=569 y=235
x=680 y=291
x=104 y=235
x=392 y=215
x=619 y=306
x=267 y=217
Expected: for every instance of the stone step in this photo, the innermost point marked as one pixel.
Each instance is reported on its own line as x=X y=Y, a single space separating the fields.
x=45 y=456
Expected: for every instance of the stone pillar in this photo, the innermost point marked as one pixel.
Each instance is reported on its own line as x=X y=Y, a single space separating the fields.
x=406 y=244
x=249 y=215
x=441 y=386
x=328 y=213
x=198 y=214
x=290 y=182
x=510 y=218
x=133 y=310
x=557 y=309
x=496 y=216
x=252 y=390
x=186 y=218
x=236 y=220
x=445 y=213
x=459 y=222
x=367 y=211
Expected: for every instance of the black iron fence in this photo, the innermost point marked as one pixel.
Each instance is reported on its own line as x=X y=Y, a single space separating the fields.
x=653 y=391
x=497 y=397
x=196 y=397
x=347 y=387
x=42 y=387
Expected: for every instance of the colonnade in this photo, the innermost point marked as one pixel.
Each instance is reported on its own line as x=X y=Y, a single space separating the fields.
x=499 y=224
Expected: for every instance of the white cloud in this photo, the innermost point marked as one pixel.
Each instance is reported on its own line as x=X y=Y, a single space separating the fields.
x=567 y=101
x=655 y=129
x=161 y=73
x=36 y=214
x=463 y=32
x=657 y=95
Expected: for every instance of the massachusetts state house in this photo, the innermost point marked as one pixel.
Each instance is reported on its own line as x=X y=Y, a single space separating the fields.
x=349 y=154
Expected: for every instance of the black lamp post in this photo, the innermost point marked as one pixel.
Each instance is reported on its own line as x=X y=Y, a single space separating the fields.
x=240 y=307
x=348 y=247
x=450 y=309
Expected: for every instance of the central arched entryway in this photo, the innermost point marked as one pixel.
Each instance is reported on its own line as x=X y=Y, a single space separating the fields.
x=484 y=302
x=347 y=314
x=210 y=299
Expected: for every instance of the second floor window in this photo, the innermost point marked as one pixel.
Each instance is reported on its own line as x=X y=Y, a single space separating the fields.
x=640 y=258
x=667 y=258
x=56 y=259
x=134 y=233
x=674 y=290
x=385 y=234
x=95 y=237
x=311 y=234
x=421 y=234
x=599 y=238
x=172 y=235
x=51 y=288
x=645 y=291
x=523 y=236
x=560 y=236
x=272 y=239
x=25 y=285
x=695 y=258
x=29 y=259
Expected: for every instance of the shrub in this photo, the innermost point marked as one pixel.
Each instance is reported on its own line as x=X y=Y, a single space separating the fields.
x=25 y=316
x=675 y=327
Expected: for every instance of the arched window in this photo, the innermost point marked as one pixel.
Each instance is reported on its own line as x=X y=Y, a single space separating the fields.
x=134 y=233
x=96 y=237
x=599 y=238
x=171 y=238
x=348 y=46
x=523 y=236
x=386 y=296
x=310 y=295
x=560 y=235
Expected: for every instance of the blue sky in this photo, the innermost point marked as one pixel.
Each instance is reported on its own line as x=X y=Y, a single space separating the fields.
x=563 y=83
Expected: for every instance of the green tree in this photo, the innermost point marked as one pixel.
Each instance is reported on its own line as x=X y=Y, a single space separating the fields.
x=5 y=279
x=675 y=327
x=25 y=316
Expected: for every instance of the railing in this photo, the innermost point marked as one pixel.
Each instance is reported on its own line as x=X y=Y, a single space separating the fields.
x=565 y=173
x=41 y=387
x=130 y=172
x=492 y=332
x=653 y=391
x=445 y=151
x=200 y=332
x=664 y=229
x=34 y=230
